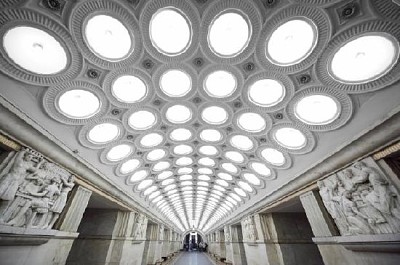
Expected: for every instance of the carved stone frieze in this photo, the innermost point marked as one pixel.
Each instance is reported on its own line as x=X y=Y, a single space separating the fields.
x=361 y=200
x=249 y=229
x=139 y=230
x=227 y=232
x=33 y=191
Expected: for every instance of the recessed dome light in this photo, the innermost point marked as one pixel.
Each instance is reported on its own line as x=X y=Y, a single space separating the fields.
x=119 y=152
x=251 y=122
x=220 y=84
x=139 y=175
x=185 y=170
x=170 y=31
x=175 y=83
x=245 y=186
x=210 y=135
x=156 y=154
x=151 y=140
x=154 y=194
x=317 y=109
x=225 y=176
x=365 y=58
x=160 y=166
x=205 y=170
x=182 y=149
x=164 y=175
x=204 y=177
x=149 y=190
x=158 y=199
x=178 y=114
x=79 y=104
x=273 y=156
x=103 y=133
x=292 y=42
x=167 y=182
x=208 y=150
x=35 y=50
x=184 y=161
x=219 y=188
x=187 y=183
x=214 y=115
x=252 y=179
x=142 y=120
x=129 y=166
x=108 y=38
x=129 y=89
x=202 y=183
x=185 y=177
x=290 y=138
x=260 y=169
x=206 y=161
x=234 y=156
x=242 y=142
x=240 y=192
x=229 y=34
x=234 y=196
x=144 y=184
x=266 y=92
x=180 y=134
x=231 y=168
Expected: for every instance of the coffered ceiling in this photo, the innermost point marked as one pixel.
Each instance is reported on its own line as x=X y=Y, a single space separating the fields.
x=200 y=109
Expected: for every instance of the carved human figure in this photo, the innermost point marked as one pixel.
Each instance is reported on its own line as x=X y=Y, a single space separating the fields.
x=139 y=228
x=357 y=221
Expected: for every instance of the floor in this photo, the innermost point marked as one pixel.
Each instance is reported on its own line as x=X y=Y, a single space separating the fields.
x=193 y=258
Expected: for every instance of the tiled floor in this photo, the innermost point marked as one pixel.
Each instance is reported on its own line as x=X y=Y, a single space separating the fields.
x=193 y=258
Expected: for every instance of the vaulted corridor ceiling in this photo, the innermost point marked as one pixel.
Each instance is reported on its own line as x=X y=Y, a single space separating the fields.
x=199 y=110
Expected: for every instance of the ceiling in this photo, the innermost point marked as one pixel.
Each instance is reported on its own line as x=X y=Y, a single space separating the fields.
x=200 y=109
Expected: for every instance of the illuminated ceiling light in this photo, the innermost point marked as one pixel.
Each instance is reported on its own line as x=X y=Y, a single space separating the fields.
x=208 y=150
x=204 y=177
x=214 y=115
x=240 y=192
x=251 y=122
x=234 y=156
x=170 y=187
x=170 y=31
x=149 y=190
x=252 y=179
x=225 y=176
x=290 y=138
x=151 y=140
x=229 y=34
x=186 y=183
x=182 y=149
x=144 y=184
x=273 y=156
x=206 y=161
x=242 y=142
x=154 y=194
x=142 y=120
x=79 y=104
x=119 y=152
x=365 y=58
x=129 y=166
x=202 y=183
x=35 y=50
x=231 y=168
x=184 y=161
x=291 y=42
x=156 y=154
x=108 y=38
x=260 y=169
x=157 y=199
x=210 y=135
x=139 y=175
x=103 y=133
x=129 y=89
x=180 y=134
x=234 y=196
x=220 y=84
x=175 y=83
x=218 y=188
x=185 y=170
x=185 y=177
x=167 y=182
x=266 y=92
x=205 y=170
x=245 y=186
x=317 y=109
x=178 y=114
x=222 y=182
x=160 y=166
x=164 y=175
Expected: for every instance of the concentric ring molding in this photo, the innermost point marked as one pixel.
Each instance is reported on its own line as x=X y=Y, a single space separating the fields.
x=187 y=104
x=226 y=107
x=103 y=155
x=387 y=9
x=8 y=3
x=344 y=101
x=10 y=18
x=130 y=183
x=252 y=14
x=112 y=76
x=317 y=16
x=310 y=144
x=175 y=66
x=139 y=138
x=221 y=67
x=255 y=143
x=51 y=96
x=266 y=117
x=125 y=119
x=262 y=178
x=87 y=9
x=190 y=13
x=83 y=133
x=377 y=26
x=117 y=169
x=288 y=159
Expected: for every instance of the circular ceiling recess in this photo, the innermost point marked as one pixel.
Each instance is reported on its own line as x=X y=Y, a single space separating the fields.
x=103 y=133
x=290 y=138
x=35 y=50
x=317 y=109
x=175 y=83
x=78 y=104
x=266 y=92
x=129 y=89
x=220 y=84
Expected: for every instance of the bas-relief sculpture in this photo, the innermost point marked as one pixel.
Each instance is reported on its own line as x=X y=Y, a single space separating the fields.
x=33 y=191
x=361 y=200
x=161 y=232
x=139 y=230
x=249 y=229
x=227 y=234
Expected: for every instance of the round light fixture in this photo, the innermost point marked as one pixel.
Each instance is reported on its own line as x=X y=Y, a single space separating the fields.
x=119 y=152
x=103 y=133
x=129 y=166
x=260 y=169
x=234 y=156
x=208 y=150
x=214 y=115
x=160 y=166
x=317 y=109
x=290 y=138
x=151 y=140
x=273 y=156
x=182 y=149
x=220 y=84
x=79 y=104
x=175 y=83
x=129 y=89
x=180 y=134
x=184 y=161
x=142 y=120
x=210 y=135
x=251 y=122
x=206 y=161
x=266 y=92
x=242 y=142
x=139 y=175
x=156 y=154
x=229 y=167
x=178 y=114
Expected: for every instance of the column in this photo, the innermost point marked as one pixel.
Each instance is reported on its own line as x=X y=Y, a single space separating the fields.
x=238 y=256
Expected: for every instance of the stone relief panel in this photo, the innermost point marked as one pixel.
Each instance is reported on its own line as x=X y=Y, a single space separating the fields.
x=227 y=232
x=361 y=200
x=33 y=191
x=140 y=226
x=161 y=232
x=249 y=229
